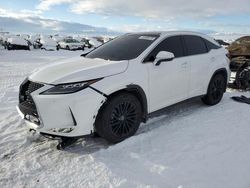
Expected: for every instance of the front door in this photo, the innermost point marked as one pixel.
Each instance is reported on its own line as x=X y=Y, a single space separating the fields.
x=168 y=82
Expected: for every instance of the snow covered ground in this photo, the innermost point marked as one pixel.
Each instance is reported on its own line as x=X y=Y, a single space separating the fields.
x=188 y=145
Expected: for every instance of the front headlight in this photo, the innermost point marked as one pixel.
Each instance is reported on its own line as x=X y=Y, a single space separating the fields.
x=68 y=88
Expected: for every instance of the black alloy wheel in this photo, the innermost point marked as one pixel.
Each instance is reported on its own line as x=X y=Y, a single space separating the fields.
x=123 y=119
x=216 y=90
x=217 y=87
x=119 y=118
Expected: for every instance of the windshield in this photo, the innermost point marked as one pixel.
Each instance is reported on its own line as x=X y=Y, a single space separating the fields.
x=126 y=47
x=71 y=41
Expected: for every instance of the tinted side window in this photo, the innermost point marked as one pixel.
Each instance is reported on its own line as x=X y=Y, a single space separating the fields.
x=195 y=45
x=171 y=44
x=211 y=45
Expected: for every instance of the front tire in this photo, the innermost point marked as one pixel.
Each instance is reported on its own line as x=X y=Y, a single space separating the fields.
x=216 y=89
x=119 y=118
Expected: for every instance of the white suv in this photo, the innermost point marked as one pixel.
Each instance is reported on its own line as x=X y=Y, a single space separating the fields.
x=70 y=44
x=113 y=88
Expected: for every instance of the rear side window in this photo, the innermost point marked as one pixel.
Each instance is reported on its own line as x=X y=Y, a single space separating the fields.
x=171 y=44
x=211 y=45
x=195 y=45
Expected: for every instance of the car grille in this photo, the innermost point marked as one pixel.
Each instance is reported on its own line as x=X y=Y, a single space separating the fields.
x=26 y=103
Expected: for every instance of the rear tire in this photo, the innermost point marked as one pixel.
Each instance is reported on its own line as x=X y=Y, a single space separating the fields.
x=119 y=118
x=216 y=89
x=9 y=47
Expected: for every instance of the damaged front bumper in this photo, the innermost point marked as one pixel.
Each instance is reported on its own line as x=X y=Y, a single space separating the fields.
x=69 y=115
x=32 y=124
x=35 y=124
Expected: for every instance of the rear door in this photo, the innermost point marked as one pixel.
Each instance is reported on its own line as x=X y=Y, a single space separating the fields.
x=168 y=82
x=198 y=59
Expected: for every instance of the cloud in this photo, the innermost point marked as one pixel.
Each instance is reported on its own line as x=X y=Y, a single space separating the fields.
x=162 y=9
x=20 y=14
x=154 y=15
x=51 y=24
x=166 y=14
x=28 y=18
x=45 y=5
x=29 y=22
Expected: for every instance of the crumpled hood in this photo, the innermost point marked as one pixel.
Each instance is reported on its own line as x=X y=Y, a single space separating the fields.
x=78 y=69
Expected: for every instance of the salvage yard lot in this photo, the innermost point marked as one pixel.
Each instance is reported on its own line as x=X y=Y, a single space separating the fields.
x=185 y=146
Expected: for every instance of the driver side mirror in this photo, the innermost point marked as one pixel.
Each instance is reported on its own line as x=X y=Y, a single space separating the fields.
x=163 y=56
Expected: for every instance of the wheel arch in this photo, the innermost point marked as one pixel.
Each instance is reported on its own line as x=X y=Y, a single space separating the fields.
x=138 y=92
x=223 y=72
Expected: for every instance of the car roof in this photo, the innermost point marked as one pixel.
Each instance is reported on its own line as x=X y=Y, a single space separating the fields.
x=169 y=33
x=163 y=33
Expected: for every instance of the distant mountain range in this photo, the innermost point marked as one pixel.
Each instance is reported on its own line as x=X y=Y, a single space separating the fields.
x=229 y=37
x=31 y=25
x=38 y=25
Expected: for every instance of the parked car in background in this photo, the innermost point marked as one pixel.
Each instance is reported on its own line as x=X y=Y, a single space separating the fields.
x=1 y=40
x=94 y=42
x=86 y=43
x=17 y=43
x=48 y=43
x=34 y=40
x=58 y=38
x=114 y=88
x=222 y=42
x=4 y=40
x=24 y=36
x=70 y=44
x=91 y=42
x=37 y=44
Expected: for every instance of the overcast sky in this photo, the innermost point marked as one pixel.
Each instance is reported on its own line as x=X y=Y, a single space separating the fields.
x=231 y=16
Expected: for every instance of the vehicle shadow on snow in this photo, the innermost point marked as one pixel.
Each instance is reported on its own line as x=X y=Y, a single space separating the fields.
x=170 y=113
x=90 y=144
